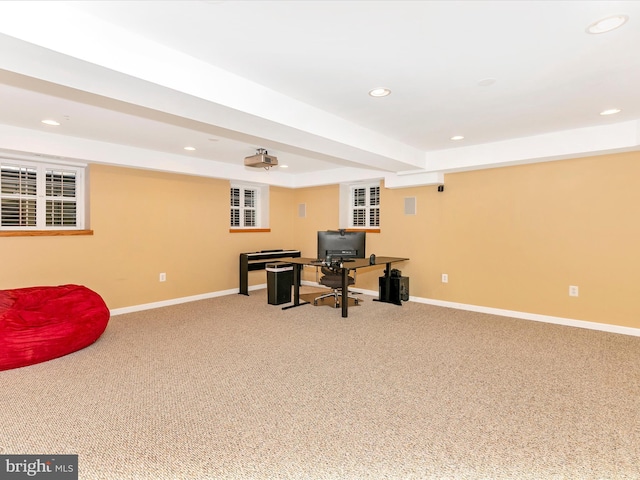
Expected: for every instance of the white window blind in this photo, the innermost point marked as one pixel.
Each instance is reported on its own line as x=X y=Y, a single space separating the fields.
x=40 y=196
x=365 y=206
x=61 y=198
x=18 y=200
x=244 y=207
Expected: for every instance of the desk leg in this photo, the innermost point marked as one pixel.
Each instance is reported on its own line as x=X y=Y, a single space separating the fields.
x=385 y=293
x=387 y=282
x=296 y=284
x=345 y=292
x=385 y=289
x=297 y=275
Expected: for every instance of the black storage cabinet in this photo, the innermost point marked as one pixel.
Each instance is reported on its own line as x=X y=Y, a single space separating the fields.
x=279 y=282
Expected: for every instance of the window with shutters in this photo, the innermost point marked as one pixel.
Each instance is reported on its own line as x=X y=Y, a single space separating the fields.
x=364 y=210
x=38 y=196
x=247 y=204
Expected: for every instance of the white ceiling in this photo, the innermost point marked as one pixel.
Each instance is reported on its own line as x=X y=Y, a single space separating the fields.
x=132 y=83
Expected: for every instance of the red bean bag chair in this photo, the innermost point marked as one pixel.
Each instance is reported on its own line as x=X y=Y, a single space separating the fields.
x=41 y=323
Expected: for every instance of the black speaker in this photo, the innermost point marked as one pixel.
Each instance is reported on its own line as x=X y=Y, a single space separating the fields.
x=398 y=289
x=403 y=288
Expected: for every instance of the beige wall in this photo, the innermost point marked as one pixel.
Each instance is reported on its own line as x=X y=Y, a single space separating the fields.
x=517 y=237
x=145 y=223
x=513 y=238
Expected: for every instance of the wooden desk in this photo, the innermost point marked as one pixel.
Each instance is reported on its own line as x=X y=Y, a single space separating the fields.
x=347 y=266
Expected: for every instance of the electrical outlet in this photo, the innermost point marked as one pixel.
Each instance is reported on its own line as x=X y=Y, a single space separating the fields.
x=573 y=291
x=163 y=277
x=445 y=278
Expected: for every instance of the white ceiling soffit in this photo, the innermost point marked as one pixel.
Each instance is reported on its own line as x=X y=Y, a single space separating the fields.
x=292 y=77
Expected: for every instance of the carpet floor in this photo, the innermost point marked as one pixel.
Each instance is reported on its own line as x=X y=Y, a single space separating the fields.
x=234 y=388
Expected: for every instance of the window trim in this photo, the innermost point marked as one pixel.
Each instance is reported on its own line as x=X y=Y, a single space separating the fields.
x=44 y=233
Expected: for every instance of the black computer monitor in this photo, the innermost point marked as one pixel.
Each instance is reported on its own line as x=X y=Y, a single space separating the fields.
x=335 y=244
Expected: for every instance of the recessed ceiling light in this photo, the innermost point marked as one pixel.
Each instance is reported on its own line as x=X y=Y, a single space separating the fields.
x=51 y=122
x=191 y=149
x=284 y=166
x=607 y=24
x=457 y=137
x=611 y=111
x=379 y=92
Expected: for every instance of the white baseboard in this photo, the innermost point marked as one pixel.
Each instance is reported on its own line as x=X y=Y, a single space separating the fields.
x=536 y=317
x=176 y=301
x=604 y=327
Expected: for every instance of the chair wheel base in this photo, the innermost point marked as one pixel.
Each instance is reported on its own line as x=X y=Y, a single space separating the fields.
x=336 y=295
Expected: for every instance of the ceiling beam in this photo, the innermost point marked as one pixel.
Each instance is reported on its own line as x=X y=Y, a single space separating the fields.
x=59 y=44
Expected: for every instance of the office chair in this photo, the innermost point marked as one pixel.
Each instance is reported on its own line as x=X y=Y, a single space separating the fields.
x=333 y=279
